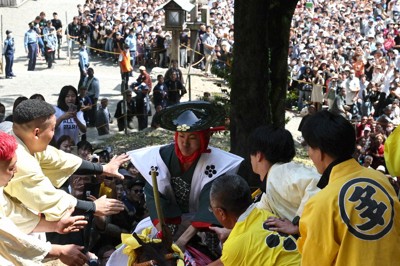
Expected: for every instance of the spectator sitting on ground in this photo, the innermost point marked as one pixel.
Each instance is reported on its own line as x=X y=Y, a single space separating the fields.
x=65 y=143
x=368 y=161
x=384 y=119
x=85 y=150
x=37 y=96
x=311 y=110
x=339 y=106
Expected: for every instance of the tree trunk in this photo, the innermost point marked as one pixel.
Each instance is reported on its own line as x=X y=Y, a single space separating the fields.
x=259 y=75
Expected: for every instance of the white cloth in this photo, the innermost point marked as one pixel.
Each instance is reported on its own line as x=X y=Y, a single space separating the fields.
x=289 y=187
x=224 y=162
x=317 y=95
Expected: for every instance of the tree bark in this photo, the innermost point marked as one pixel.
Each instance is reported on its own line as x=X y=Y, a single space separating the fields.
x=259 y=74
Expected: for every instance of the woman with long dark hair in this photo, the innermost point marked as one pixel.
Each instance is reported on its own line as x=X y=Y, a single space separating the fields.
x=69 y=117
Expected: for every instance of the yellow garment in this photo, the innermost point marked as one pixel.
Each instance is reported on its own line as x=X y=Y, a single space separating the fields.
x=16 y=247
x=250 y=243
x=354 y=220
x=24 y=219
x=392 y=152
x=132 y=244
x=37 y=176
x=104 y=190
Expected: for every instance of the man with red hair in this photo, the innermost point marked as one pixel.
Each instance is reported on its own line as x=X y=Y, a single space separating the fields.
x=17 y=247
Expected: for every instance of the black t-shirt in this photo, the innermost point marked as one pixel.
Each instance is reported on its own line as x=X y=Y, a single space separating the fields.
x=160 y=44
x=73 y=29
x=57 y=24
x=84 y=32
x=118 y=43
x=43 y=23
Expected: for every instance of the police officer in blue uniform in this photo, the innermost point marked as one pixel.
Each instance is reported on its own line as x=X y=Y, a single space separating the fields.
x=31 y=46
x=8 y=52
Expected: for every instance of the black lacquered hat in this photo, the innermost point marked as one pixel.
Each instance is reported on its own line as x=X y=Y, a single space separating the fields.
x=191 y=116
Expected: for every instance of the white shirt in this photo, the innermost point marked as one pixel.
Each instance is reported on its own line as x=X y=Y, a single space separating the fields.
x=289 y=187
x=68 y=126
x=352 y=87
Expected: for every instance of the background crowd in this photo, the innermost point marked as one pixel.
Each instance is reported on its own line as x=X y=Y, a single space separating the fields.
x=106 y=25
x=344 y=57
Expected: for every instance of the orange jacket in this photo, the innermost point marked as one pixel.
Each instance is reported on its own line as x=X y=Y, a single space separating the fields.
x=126 y=62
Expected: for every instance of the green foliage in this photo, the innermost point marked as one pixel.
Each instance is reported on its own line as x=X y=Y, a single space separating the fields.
x=222 y=71
x=291 y=100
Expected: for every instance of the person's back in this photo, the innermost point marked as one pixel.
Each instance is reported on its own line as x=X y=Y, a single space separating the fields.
x=289 y=187
x=251 y=242
x=355 y=216
x=265 y=248
x=358 y=209
x=286 y=185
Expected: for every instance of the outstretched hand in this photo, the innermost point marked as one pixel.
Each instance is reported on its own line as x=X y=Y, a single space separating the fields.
x=69 y=223
x=70 y=254
x=222 y=232
x=105 y=206
x=111 y=169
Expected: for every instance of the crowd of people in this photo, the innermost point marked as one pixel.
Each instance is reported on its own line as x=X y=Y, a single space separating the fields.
x=107 y=26
x=343 y=56
x=351 y=46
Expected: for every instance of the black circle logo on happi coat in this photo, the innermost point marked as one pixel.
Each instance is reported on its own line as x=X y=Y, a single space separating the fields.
x=366 y=208
x=274 y=239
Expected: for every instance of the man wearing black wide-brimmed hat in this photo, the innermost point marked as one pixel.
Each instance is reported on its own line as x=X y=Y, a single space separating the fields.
x=185 y=168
